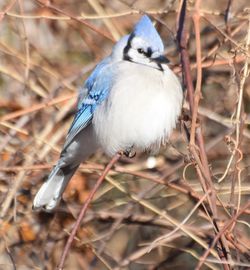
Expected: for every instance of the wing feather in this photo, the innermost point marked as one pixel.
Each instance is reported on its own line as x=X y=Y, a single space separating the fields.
x=93 y=93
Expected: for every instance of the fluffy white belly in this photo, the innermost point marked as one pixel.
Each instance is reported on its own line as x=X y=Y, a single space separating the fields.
x=141 y=110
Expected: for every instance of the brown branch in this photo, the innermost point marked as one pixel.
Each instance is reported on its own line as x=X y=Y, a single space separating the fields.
x=36 y=107
x=55 y=9
x=196 y=132
x=223 y=230
x=8 y=7
x=84 y=209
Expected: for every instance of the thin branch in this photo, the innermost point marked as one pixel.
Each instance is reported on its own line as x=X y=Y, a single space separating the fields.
x=84 y=209
x=72 y=17
x=226 y=226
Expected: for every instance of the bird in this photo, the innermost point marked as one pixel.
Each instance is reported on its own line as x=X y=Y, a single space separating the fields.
x=130 y=103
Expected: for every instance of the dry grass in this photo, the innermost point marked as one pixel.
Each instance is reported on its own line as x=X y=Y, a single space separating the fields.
x=186 y=208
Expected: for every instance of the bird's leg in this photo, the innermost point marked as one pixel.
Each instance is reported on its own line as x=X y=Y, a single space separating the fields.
x=129 y=152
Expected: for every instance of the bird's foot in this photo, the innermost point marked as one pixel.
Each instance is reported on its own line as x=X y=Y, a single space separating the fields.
x=130 y=152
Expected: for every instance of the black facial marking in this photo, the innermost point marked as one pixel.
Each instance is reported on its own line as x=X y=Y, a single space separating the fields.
x=140 y=50
x=160 y=61
x=149 y=52
x=127 y=48
x=160 y=67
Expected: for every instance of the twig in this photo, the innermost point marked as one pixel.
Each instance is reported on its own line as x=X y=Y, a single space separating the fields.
x=82 y=21
x=161 y=239
x=101 y=11
x=229 y=223
x=196 y=132
x=84 y=209
x=5 y=11
x=37 y=107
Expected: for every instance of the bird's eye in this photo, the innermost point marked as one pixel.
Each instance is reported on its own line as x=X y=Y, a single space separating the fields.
x=140 y=50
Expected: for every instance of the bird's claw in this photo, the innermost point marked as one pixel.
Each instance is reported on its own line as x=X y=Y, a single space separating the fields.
x=130 y=152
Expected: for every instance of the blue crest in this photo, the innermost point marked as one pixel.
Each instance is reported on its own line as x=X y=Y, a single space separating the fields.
x=146 y=30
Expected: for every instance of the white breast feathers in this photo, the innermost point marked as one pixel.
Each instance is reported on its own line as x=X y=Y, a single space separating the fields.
x=141 y=110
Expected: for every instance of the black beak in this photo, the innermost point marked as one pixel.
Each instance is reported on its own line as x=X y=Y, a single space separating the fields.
x=161 y=60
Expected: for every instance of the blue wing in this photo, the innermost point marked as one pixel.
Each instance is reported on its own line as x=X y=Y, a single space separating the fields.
x=93 y=93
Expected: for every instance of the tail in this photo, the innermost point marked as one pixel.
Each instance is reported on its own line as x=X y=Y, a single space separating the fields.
x=49 y=195
x=82 y=146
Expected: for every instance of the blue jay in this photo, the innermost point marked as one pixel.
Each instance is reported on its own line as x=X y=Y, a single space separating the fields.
x=131 y=102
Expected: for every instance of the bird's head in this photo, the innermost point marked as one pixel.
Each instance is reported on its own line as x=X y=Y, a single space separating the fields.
x=143 y=45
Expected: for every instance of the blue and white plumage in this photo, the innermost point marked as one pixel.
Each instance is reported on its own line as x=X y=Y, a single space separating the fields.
x=131 y=101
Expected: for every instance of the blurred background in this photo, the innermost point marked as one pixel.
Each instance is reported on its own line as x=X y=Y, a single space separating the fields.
x=151 y=212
